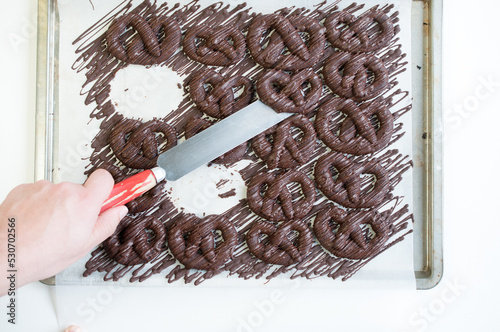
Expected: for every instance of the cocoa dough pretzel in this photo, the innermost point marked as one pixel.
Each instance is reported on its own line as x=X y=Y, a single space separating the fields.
x=132 y=244
x=368 y=33
x=279 y=248
x=283 y=150
x=220 y=101
x=348 y=75
x=346 y=189
x=192 y=241
x=290 y=92
x=196 y=124
x=346 y=238
x=216 y=48
x=136 y=145
x=276 y=203
x=285 y=50
x=356 y=133
x=144 y=48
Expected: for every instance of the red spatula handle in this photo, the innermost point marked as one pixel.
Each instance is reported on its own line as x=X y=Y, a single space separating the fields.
x=133 y=187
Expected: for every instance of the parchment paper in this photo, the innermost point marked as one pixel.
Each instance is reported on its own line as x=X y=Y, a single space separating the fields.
x=391 y=269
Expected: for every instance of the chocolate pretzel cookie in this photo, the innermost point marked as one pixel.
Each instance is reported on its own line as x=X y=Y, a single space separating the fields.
x=196 y=124
x=214 y=94
x=341 y=232
x=355 y=76
x=279 y=148
x=285 y=49
x=290 y=93
x=279 y=247
x=348 y=188
x=277 y=203
x=136 y=145
x=357 y=133
x=222 y=46
x=368 y=33
x=145 y=47
x=193 y=241
x=136 y=241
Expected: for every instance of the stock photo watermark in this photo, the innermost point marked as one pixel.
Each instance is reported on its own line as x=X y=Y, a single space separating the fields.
x=486 y=88
x=27 y=32
x=264 y=309
x=94 y=305
x=11 y=270
x=75 y=154
x=429 y=313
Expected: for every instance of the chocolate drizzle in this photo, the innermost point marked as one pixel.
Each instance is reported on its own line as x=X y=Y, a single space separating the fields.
x=132 y=245
x=193 y=241
x=277 y=202
x=214 y=94
x=278 y=146
x=348 y=75
x=223 y=46
x=145 y=48
x=292 y=249
x=347 y=187
x=370 y=32
x=357 y=133
x=280 y=33
x=290 y=93
x=136 y=144
x=340 y=232
x=279 y=248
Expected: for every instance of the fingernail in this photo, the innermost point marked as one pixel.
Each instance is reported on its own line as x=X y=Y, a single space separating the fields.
x=123 y=211
x=73 y=328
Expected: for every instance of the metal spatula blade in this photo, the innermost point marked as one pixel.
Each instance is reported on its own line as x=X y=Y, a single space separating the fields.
x=197 y=151
x=218 y=139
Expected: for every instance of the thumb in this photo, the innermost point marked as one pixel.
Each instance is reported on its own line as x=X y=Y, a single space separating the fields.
x=106 y=224
x=99 y=183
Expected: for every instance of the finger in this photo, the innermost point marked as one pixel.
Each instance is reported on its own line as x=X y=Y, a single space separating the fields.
x=73 y=328
x=106 y=224
x=99 y=183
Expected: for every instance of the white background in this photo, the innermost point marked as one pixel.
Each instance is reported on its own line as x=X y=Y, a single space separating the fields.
x=466 y=298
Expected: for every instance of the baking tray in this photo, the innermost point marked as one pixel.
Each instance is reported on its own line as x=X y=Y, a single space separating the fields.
x=427 y=126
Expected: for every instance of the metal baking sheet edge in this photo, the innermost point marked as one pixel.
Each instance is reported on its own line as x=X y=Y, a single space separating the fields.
x=431 y=271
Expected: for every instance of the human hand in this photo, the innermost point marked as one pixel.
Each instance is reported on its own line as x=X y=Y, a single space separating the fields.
x=55 y=225
x=73 y=328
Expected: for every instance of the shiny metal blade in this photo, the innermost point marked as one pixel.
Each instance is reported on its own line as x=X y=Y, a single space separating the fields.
x=218 y=139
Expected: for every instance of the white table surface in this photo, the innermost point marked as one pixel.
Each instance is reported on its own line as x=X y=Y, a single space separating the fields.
x=465 y=300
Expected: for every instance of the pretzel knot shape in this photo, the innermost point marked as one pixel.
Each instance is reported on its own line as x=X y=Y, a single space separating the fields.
x=136 y=145
x=277 y=203
x=142 y=203
x=146 y=47
x=280 y=248
x=295 y=93
x=355 y=76
x=196 y=125
x=285 y=151
x=136 y=242
x=193 y=242
x=223 y=46
x=347 y=238
x=219 y=101
x=349 y=189
x=356 y=133
x=367 y=33
x=285 y=49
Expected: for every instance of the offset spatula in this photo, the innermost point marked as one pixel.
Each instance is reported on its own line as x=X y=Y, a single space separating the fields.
x=197 y=151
